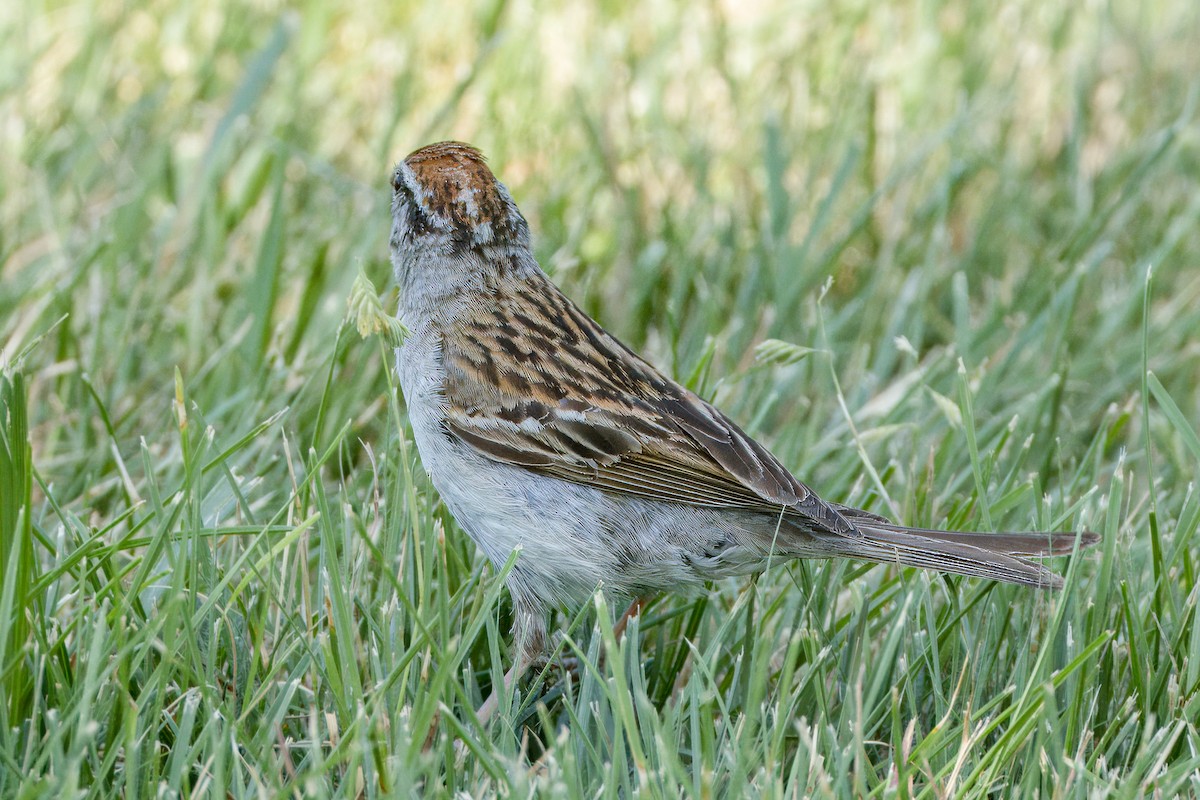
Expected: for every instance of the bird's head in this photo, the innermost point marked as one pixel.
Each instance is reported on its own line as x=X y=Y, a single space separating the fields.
x=445 y=198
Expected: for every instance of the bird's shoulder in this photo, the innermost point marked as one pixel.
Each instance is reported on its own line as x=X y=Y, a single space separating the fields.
x=530 y=379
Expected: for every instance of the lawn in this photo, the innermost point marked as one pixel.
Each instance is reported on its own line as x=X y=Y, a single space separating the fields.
x=968 y=235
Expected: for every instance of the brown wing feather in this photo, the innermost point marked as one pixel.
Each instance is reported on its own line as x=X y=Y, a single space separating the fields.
x=638 y=433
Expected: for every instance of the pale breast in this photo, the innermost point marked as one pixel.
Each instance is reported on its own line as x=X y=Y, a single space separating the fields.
x=572 y=537
x=502 y=507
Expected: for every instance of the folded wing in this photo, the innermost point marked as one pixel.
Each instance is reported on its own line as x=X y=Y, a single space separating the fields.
x=570 y=401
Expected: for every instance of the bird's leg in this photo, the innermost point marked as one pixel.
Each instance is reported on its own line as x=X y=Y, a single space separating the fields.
x=635 y=609
x=570 y=665
x=485 y=711
x=529 y=635
x=529 y=631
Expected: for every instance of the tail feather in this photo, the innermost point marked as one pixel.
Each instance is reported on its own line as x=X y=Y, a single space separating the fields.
x=995 y=556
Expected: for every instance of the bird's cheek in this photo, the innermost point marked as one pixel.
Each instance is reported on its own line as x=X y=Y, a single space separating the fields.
x=402 y=236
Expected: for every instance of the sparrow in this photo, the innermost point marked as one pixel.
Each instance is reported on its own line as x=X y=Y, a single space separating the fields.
x=544 y=434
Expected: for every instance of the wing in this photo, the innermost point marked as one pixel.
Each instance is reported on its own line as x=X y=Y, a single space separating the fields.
x=518 y=369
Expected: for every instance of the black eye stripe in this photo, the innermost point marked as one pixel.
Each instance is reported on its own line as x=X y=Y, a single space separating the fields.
x=402 y=185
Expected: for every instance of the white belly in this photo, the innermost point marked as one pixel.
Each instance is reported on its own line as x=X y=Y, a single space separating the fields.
x=572 y=538
x=503 y=507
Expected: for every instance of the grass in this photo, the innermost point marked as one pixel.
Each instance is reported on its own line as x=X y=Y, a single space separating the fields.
x=972 y=230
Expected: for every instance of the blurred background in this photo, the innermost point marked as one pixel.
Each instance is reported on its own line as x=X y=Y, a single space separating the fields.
x=196 y=186
x=973 y=228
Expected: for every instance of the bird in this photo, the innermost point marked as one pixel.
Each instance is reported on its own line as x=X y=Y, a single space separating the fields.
x=546 y=436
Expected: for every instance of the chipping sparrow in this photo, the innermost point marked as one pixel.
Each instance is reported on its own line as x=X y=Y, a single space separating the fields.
x=542 y=431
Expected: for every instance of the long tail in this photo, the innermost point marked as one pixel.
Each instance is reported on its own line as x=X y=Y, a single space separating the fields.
x=995 y=556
